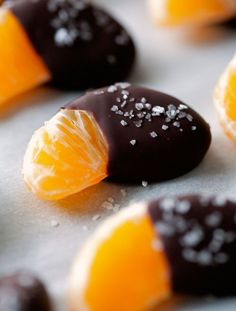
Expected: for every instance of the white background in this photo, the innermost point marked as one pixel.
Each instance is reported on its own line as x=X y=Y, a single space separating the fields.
x=184 y=63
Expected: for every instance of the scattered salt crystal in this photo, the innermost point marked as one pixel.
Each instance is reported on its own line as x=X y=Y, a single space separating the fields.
x=183 y=207
x=107 y=205
x=116 y=208
x=153 y=134
x=192 y=238
x=214 y=219
x=111 y=200
x=114 y=108
x=204 y=258
x=189 y=117
x=112 y=89
x=148 y=106
x=158 y=110
x=167 y=204
x=139 y=106
x=219 y=200
x=96 y=217
x=123 y=123
x=165 y=127
x=144 y=183
x=176 y=124
x=123 y=85
x=133 y=142
x=182 y=107
x=55 y=223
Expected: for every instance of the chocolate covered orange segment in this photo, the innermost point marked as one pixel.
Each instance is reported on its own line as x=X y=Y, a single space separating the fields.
x=71 y=44
x=81 y=44
x=148 y=136
x=144 y=254
x=68 y=154
x=225 y=99
x=178 y=12
x=122 y=267
x=21 y=69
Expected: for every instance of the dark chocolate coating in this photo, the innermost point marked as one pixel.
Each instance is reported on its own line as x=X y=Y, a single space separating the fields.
x=81 y=44
x=199 y=237
x=173 y=152
x=22 y=291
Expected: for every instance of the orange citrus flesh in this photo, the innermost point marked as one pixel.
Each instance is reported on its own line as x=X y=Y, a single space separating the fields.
x=21 y=69
x=126 y=270
x=177 y=12
x=68 y=154
x=225 y=99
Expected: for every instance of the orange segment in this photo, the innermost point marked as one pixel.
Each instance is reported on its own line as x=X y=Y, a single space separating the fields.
x=225 y=99
x=122 y=267
x=21 y=69
x=68 y=154
x=178 y=12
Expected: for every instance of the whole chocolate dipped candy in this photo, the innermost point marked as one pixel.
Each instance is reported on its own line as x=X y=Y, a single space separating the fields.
x=122 y=132
x=71 y=44
x=183 y=244
x=22 y=291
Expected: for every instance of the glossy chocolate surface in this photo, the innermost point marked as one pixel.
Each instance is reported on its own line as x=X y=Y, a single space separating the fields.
x=22 y=291
x=151 y=136
x=82 y=45
x=199 y=237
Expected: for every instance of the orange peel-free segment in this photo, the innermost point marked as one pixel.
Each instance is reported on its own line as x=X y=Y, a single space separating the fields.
x=225 y=99
x=21 y=69
x=177 y=12
x=68 y=154
x=122 y=267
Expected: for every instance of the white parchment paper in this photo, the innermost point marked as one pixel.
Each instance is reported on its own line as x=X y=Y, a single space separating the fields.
x=45 y=237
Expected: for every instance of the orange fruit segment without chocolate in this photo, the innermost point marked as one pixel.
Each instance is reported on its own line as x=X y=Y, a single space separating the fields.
x=121 y=267
x=21 y=69
x=225 y=99
x=178 y=12
x=68 y=154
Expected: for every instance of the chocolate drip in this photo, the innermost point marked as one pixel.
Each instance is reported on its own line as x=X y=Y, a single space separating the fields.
x=22 y=291
x=81 y=44
x=151 y=136
x=199 y=237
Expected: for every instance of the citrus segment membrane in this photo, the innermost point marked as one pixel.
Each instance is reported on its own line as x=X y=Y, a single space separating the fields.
x=122 y=267
x=177 y=12
x=225 y=99
x=21 y=69
x=68 y=154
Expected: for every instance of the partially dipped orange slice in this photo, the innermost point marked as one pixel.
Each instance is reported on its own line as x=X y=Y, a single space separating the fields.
x=126 y=133
x=151 y=250
x=179 y=12
x=225 y=99
x=21 y=68
x=57 y=42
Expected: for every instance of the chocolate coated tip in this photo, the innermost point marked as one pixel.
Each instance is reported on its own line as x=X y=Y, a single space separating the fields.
x=199 y=237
